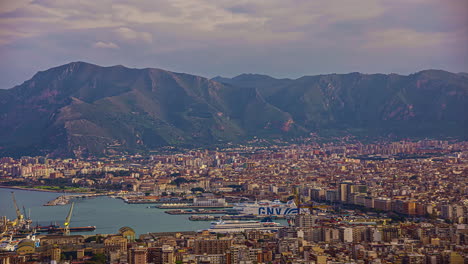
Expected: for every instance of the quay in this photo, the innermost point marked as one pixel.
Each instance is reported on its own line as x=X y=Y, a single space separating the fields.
x=196 y=211
x=231 y=217
x=65 y=199
x=148 y=201
x=188 y=206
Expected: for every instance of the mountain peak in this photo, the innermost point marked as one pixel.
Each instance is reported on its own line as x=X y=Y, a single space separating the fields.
x=464 y=74
x=432 y=72
x=69 y=67
x=80 y=107
x=252 y=76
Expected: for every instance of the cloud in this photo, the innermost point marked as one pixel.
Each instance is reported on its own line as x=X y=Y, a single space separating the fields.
x=132 y=35
x=285 y=38
x=404 y=38
x=105 y=45
x=9 y=6
x=257 y=21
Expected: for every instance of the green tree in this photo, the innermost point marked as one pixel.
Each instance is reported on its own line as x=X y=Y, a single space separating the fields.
x=197 y=189
x=97 y=259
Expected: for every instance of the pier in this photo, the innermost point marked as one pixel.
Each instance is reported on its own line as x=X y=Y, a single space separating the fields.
x=196 y=211
x=207 y=217
x=65 y=199
x=188 y=206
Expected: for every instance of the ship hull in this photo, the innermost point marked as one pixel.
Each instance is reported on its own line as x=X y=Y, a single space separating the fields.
x=73 y=229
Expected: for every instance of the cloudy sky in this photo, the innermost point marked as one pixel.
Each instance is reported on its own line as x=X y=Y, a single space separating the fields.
x=282 y=38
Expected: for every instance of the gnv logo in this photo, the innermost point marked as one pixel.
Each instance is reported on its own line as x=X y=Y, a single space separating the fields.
x=277 y=211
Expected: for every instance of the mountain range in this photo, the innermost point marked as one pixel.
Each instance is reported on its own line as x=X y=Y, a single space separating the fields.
x=81 y=108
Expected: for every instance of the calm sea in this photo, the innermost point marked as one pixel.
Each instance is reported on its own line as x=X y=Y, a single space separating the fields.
x=107 y=214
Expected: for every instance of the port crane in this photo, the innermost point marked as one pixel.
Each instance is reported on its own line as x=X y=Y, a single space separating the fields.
x=24 y=212
x=19 y=216
x=68 y=219
x=309 y=205
x=27 y=219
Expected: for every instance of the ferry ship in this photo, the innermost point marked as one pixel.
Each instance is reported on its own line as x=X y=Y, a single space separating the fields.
x=268 y=208
x=240 y=226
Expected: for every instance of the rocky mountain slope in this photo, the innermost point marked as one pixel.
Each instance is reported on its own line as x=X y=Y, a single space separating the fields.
x=80 y=108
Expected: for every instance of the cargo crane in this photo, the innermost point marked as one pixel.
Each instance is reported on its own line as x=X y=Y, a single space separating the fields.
x=19 y=216
x=298 y=201
x=67 y=220
x=27 y=220
x=24 y=212
x=309 y=205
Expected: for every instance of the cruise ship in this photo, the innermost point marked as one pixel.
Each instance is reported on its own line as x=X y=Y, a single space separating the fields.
x=240 y=226
x=268 y=208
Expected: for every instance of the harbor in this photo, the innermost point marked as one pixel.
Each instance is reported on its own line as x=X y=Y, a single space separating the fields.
x=186 y=206
x=236 y=226
x=231 y=217
x=196 y=211
x=20 y=228
x=150 y=200
x=198 y=203
x=103 y=212
x=65 y=199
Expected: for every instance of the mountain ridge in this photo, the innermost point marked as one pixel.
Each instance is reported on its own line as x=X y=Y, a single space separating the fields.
x=242 y=75
x=81 y=108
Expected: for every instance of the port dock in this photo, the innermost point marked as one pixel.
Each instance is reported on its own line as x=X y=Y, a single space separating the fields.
x=232 y=217
x=188 y=206
x=196 y=211
x=65 y=199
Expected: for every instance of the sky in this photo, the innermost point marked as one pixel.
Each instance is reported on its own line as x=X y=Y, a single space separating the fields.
x=281 y=38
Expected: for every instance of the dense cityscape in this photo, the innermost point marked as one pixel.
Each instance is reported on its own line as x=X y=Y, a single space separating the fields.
x=233 y=132
x=388 y=202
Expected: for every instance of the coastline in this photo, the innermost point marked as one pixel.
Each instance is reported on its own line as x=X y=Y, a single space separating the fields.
x=106 y=213
x=35 y=190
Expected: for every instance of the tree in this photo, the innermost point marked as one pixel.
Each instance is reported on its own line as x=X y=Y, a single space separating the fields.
x=197 y=189
x=97 y=259
x=90 y=239
x=179 y=181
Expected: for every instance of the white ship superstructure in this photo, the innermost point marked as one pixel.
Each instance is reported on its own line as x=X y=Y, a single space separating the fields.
x=268 y=208
x=241 y=226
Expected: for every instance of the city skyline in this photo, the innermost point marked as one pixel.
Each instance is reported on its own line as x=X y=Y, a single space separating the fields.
x=387 y=202
x=225 y=132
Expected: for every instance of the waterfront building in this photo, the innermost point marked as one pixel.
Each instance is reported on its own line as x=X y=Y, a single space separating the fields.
x=115 y=243
x=128 y=233
x=137 y=255
x=62 y=240
x=209 y=202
